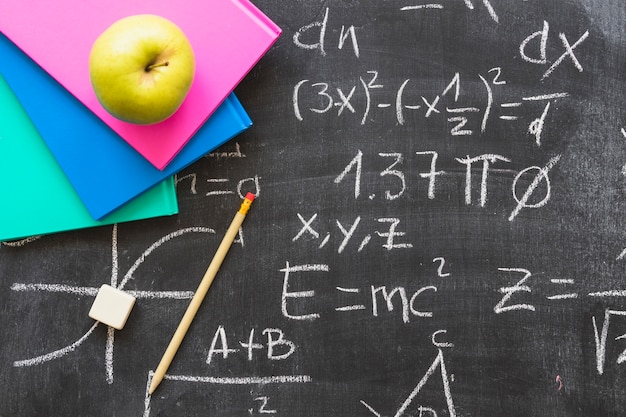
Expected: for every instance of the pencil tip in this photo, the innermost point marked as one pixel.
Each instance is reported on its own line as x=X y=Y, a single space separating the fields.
x=153 y=386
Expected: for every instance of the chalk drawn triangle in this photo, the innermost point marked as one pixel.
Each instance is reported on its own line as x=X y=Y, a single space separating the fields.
x=437 y=363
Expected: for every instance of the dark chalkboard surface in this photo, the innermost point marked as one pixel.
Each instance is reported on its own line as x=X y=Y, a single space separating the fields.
x=438 y=231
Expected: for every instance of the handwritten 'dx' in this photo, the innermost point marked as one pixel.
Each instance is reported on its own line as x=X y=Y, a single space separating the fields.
x=92 y=291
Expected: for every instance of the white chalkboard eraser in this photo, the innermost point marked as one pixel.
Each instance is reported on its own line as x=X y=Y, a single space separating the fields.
x=112 y=307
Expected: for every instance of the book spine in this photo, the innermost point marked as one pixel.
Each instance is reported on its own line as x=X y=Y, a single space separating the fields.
x=169 y=195
x=237 y=109
x=263 y=21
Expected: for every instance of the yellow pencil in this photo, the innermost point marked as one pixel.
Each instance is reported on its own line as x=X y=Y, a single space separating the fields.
x=196 y=301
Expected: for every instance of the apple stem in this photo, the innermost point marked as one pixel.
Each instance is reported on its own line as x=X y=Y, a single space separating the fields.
x=152 y=66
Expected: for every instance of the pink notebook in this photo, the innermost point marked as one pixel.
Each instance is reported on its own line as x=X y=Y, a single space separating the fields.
x=228 y=37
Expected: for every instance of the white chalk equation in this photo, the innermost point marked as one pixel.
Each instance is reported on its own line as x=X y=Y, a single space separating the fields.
x=515 y=297
x=462 y=120
x=212 y=187
x=518 y=294
x=318 y=97
x=530 y=188
x=378 y=298
x=311 y=97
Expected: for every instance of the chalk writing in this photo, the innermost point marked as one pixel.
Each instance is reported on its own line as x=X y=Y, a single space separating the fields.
x=321 y=26
x=355 y=167
x=320 y=97
x=391 y=236
x=542 y=58
x=253 y=182
x=222 y=153
x=525 y=285
x=601 y=336
x=277 y=346
x=377 y=295
x=508 y=292
x=262 y=406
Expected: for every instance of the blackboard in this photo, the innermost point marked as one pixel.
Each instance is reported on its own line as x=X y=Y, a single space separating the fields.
x=438 y=231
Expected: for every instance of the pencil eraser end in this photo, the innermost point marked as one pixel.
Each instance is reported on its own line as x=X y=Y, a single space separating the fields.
x=112 y=307
x=250 y=196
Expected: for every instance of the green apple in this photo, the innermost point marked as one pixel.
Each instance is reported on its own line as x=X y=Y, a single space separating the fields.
x=142 y=68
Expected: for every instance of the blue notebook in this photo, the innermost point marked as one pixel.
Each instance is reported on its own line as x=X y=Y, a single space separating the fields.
x=37 y=198
x=103 y=169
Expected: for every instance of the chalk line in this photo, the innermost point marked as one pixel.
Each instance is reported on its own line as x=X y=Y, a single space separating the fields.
x=423 y=6
x=114 y=257
x=93 y=291
x=545 y=97
x=68 y=289
x=22 y=242
x=108 y=354
x=57 y=353
x=249 y=380
x=610 y=293
x=155 y=245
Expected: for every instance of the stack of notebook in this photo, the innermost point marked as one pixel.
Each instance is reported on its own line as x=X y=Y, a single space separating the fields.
x=67 y=163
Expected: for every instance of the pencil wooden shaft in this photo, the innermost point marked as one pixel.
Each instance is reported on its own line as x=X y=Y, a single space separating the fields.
x=196 y=301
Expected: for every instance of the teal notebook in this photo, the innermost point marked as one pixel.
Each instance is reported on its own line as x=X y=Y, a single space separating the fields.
x=37 y=198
